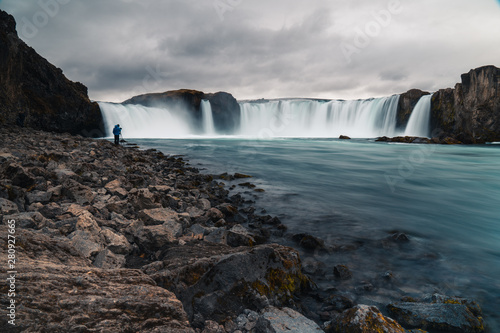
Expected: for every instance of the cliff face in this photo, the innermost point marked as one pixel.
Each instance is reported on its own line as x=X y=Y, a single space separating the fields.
x=36 y=94
x=471 y=111
x=225 y=108
x=407 y=102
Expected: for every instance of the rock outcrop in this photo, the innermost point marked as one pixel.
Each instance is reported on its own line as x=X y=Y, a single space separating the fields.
x=407 y=102
x=470 y=112
x=36 y=94
x=225 y=108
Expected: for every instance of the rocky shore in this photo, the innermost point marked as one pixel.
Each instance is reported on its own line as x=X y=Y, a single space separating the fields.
x=118 y=239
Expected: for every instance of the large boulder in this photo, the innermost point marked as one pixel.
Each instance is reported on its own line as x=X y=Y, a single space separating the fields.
x=441 y=313
x=471 y=111
x=216 y=281
x=36 y=94
x=363 y=319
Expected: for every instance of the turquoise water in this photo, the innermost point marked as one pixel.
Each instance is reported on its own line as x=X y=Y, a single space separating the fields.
x=357 y=192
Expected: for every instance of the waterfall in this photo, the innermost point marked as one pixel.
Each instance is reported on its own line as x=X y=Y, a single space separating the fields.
x=276 y=118
x=207 y=117
x=418 y=124
x=139 y=121
x=311 y=118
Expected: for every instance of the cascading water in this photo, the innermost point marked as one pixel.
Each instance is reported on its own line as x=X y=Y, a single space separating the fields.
x=310 y=118
x=418 y=124
x=277 y=118
x=139 y=121
x=208 y=119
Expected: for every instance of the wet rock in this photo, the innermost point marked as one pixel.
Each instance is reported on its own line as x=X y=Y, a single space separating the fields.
x=239 y=236
x=285 y=320
x=344 y=137
x=312 y=266
x=342 y=272
x=227 y=209
x=240 y=176
x=338 y=303
x=363 y=319
x=439 y=313
x=224 y=281
x=214 y=214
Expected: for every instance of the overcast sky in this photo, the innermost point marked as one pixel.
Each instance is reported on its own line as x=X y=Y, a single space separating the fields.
x=261 y=49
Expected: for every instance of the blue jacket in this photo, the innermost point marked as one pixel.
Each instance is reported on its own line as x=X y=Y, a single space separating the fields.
x=117 y=130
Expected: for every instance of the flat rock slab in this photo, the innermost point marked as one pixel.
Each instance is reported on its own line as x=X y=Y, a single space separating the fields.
x=287 y=320
x=448 y=317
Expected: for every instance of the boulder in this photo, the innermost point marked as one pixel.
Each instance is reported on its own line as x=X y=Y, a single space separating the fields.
x=363 y=319
x=27 y=220
x=18 y=175
x=342 y=272
x=223 y=281
x=285 y=320
x=115 y=188
x=117 y=243
x=440 y=313
x=85 y=243
x=8 y=207
x=158 y=216
x=143 y=199
x=38 y=196
x=155 y=237
x=77 y=192
x=109 y=260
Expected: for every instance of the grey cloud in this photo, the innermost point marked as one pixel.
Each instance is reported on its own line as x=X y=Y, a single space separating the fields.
x=262 y=48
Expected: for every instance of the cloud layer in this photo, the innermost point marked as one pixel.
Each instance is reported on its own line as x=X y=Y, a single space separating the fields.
x=327 y=49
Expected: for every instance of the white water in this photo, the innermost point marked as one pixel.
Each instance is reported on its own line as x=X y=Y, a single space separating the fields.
x=418 y=124
x=208 y=119
x=139 y=121
x=330 y=119
x=279 y=118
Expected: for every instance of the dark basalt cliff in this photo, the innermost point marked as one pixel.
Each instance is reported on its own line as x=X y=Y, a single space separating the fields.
x=225 y=108
x=471 y=111
x=36 y=94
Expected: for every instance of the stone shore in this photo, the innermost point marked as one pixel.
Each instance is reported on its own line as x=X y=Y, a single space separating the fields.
x=117 y=239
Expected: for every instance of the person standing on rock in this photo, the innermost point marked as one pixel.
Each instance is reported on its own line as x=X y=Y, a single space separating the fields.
x=117 y=131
